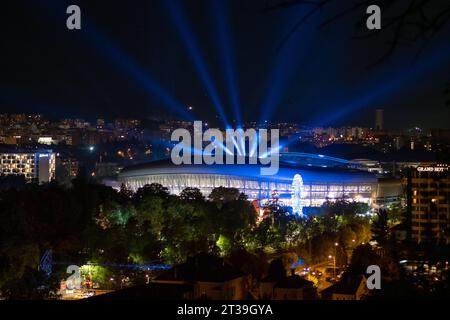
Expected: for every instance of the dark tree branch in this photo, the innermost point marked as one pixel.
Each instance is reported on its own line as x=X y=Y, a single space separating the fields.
x=287 y=4
x=410 y=25
x=397 y=34
x=302 y=20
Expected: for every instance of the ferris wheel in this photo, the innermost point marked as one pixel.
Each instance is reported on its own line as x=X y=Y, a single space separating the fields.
x=297 y=193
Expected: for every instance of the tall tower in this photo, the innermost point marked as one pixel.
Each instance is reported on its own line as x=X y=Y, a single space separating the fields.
x=296 y=197
x=379 y=119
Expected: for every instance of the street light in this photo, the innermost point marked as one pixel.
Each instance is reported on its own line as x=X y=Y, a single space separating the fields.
x=334 y=259
x=334 y=264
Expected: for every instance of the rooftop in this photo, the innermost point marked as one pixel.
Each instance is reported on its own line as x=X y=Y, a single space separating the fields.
x=201 y=268
x=347 y=285
x=311 y=167
x=293 y=282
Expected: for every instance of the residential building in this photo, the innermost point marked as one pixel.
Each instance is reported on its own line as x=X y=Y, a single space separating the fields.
x=211 y=278
x=293 y=287
x=33 y=165
x=429 y=205
x=349 y=288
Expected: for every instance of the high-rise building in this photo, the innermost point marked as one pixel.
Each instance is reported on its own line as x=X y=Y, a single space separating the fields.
x=68 y=165
x=39 y=165
x=429 y=203
x=379 y=120
x=18 y=118
x=126 y=124
x=399 y=142
x=100 y=123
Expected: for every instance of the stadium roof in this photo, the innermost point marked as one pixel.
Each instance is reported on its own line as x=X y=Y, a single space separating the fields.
x=312 y=168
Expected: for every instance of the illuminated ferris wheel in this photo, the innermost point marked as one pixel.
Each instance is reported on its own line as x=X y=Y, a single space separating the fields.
x=296 y=197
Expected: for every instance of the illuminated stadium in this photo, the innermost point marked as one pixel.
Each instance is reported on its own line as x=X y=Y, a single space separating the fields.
x=303 y=180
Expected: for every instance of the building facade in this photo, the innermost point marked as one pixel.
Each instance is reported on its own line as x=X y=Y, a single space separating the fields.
x=210 y=278
x=379 y=120
x=38 y=165
x=302 y=180
x=429 y=188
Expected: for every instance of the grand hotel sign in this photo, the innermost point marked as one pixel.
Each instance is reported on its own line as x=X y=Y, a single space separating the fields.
x=437 y=168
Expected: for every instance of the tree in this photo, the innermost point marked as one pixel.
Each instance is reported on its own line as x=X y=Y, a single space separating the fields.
x=154 y=189
x=33 y=285
x=362 y=230
x=276 y=269
x=12 y=182
x=151 y=213
x=347 y=236
x=125 y=192
x=343 y=208
x=234 y=217
x=396 y=214
x=311 y=229
x=362 y=257
x=231 y=213
x=254 y=264
x=222 y=195
x=380 y=228
x=267 y=236
x=187 y=230
x=192 y=194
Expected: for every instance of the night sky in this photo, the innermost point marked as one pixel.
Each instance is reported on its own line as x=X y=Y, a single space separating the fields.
x=148 y=58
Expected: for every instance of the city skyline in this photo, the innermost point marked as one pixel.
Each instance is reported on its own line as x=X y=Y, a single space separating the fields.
x=212 y=150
